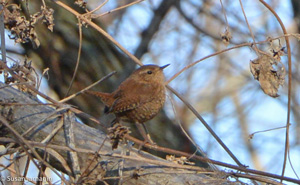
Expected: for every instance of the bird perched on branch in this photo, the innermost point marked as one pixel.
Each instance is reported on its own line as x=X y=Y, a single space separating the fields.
x=138 y=99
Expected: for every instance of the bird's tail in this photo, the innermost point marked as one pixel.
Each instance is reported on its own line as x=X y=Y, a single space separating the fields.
x=103 y=96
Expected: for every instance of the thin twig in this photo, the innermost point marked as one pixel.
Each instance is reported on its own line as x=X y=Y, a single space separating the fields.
x=97 y=8
x=206 y=57
x=267 y=130
x=251 y=33
x=257 y=178
x=225 y=16
x=116 y=9
x=87 y=88
x=40 y=80
x=78 y=57
x=54 y=131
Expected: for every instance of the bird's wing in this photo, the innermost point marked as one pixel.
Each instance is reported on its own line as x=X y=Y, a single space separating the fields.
x=124 y=102
x=129 y=100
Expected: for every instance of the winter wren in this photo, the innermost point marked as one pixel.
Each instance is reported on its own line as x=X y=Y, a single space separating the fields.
x=139 y=98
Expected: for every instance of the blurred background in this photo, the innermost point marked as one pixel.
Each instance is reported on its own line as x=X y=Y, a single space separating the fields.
x=180 y=32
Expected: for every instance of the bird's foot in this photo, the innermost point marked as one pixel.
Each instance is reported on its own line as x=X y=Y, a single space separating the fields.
x=146 y=141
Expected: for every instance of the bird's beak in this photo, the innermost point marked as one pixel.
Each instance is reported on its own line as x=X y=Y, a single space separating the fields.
x=162 y=67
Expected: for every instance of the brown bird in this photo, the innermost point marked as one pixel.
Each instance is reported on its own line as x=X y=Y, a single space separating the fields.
x=138 y=99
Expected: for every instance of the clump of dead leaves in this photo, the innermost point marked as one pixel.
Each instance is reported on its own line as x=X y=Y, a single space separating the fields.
x=22 y=29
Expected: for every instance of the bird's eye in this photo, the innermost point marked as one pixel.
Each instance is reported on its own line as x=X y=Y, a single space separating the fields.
x=149 y=72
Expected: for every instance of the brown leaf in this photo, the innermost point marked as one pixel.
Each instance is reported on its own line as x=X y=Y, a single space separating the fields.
x=226 y=37
x=269 y=72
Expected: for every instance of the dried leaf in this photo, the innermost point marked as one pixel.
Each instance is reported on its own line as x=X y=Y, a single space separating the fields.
x=226 y=37
x=269 y=72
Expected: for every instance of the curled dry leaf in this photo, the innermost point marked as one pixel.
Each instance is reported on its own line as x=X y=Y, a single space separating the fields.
x=46 y=14
x=269 y=72
x=226 y=37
